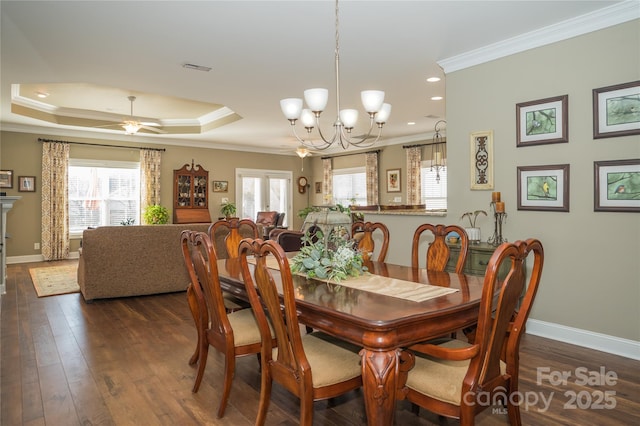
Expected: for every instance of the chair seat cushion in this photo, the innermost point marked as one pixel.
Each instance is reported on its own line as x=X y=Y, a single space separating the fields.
x=332 y=360
x=438 y=378
x=245 y=328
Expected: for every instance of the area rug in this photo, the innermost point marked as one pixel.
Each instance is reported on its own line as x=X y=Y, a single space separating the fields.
x=54 y=280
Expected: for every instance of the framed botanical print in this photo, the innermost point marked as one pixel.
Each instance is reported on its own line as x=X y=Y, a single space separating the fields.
x=393 y=180
x=543 y=121
x=616 y=185
x=544 y=188
x=616 y=110
x=27 y=183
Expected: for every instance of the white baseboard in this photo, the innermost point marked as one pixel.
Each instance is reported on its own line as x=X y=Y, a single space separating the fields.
x=35 y=258
x=588 y=339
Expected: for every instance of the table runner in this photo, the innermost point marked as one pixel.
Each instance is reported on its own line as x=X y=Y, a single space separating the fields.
x=408 y=290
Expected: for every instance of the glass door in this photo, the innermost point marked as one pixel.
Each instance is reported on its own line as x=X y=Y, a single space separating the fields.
x=263 y=190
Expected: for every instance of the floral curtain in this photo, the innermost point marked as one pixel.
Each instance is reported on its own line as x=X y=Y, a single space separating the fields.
x=150 y=160
x=327 y=180
x=371 y=170
x=55 y=201
x=414 y=190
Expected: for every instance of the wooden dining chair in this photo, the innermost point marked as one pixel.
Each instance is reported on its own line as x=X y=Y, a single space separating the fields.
x=438 y=251
x=232 y=334
x=458 y=379
x=227 y=233
x=312 y=366
x=366 y=243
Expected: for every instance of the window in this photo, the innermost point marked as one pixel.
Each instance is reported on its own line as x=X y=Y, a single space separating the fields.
x=350 y=186
x=434 y=193
x=102 y=193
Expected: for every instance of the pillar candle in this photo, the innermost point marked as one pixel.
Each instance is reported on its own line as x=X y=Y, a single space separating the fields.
x=500 y=206
x=495 y=197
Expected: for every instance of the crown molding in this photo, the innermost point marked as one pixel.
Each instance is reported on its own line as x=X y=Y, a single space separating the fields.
x=618 y=13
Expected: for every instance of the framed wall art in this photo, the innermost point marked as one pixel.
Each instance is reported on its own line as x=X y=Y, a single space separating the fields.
x=543 y=121
x=6 y=178
x=616 y=186
x=318 y=187
x=220 y=186
x=27 y=183
x=616 y=110
x=393 y=180
x=481 y=169
x=544 y=188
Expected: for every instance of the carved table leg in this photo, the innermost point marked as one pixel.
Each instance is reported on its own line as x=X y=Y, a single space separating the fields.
x=379 y=377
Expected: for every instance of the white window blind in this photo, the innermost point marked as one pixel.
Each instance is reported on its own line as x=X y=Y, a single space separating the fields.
x=103 y=193
x=434 y=193
x=350 y=186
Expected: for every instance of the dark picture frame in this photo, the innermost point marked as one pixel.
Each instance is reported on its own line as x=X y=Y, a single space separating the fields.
x=543 y=188
x=220 y=186
x=26 y=184
x=544 y=121
x=394 y=183
x=6 y=178
x=616 y=186
x=318 y=187
x=616 y=110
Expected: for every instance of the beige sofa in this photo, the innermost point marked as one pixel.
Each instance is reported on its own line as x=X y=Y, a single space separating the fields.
x=120 y=261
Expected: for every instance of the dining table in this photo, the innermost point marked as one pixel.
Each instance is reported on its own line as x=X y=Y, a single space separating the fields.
x=379 y=313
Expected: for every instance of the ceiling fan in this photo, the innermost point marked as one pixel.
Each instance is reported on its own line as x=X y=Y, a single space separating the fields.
x=131 y=125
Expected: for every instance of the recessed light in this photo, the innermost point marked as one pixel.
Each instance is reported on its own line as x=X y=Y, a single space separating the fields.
x=42 y=94
x=436 y=98
x=411 y=123
x=433 y=79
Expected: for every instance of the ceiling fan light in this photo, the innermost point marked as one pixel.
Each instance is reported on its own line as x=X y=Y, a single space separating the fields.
x=302 y=151
x=383 y=115
x=372 y=100
x=291 y=108
x=131 y=127
x=316 y=99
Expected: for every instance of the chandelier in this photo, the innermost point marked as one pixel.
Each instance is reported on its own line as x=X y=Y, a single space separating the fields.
x=438 y=151
x=316 y=100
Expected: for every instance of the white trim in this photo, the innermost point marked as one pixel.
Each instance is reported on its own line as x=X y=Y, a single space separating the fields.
x=607 y=17
x=588 y=339
x=35 y=258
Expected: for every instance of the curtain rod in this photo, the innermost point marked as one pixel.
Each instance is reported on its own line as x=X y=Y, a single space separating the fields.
x=106 y=145
x=376 y=151
x=423 y=144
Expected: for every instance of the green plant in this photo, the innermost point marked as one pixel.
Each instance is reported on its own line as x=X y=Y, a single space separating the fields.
x=473 y=217
x=128 y=221
x=334 y=261
x=155 y=214
x=228 y=209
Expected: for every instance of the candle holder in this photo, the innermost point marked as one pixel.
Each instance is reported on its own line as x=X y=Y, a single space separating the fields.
x=498 y=217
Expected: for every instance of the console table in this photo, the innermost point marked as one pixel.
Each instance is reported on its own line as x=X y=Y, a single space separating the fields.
x=477 y=258
x=7 y=204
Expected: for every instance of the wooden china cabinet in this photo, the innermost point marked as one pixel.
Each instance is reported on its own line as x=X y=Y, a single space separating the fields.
x=191 y=194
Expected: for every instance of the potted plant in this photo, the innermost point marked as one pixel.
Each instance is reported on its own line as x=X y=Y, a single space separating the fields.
x=156 y=214
x=228 y=209
x=473 y=231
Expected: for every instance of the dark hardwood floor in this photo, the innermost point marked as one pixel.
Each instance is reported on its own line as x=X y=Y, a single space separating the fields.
x=124 y=362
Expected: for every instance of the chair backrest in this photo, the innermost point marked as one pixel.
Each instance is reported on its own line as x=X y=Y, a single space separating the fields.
x=438 y=251
x=231 y=231
x=366 y=243
x=196 y=302
x=267 y=218
x=198 y=246
x=280 y=220
x=291 y=364
x=500 y=323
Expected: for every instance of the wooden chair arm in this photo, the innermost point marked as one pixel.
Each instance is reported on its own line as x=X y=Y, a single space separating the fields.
x=457 y=354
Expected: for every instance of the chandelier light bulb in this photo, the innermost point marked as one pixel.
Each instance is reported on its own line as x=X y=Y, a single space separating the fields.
x=316 y=99
x=372 y=100
x=291 y=108
x=383 y=115
x=349 y=117
x=307 y=118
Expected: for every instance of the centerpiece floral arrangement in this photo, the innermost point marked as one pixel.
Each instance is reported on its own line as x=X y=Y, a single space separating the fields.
x=333 y=259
